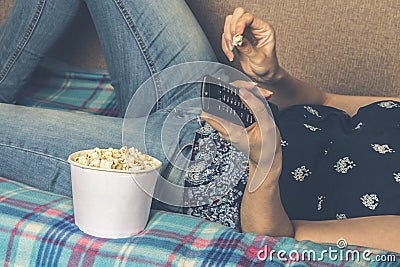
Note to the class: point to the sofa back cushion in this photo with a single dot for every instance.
(350, 47)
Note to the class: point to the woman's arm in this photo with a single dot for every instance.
(261, 211)
(289, 91)
(381, 232)
(257, 56)
(350, 104)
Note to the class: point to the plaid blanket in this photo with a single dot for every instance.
(70, 90)
(37, 229)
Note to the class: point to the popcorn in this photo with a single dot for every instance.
(118, 159)
(237, 40)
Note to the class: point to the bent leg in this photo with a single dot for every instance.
(35, 143)
(31, 29)
(140, 38)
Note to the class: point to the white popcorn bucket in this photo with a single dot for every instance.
(111, 203)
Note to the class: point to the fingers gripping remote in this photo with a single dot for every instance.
(222, 99)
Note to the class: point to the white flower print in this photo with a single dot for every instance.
(320, 200)
(206, 129)
(396, 177)
(370, 201)
(284, 142)
(312, 111)
(382, 149)
(195, 173)
(311, 128)
(300, 173)
(343, 165)
(358, 126)
(388, 104)
(341, 216)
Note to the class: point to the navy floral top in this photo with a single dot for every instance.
(334, 166)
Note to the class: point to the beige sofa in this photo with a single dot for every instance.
(342, 46)
(350, 47)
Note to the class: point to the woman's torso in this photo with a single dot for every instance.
(334, 166)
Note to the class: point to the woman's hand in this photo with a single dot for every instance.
(257, 53)
(258, 58)
(260, 141)
(259, 135)
(261, 209)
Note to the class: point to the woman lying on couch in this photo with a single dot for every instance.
(328, 165)
(323, 165)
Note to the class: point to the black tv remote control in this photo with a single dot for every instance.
(222, 99)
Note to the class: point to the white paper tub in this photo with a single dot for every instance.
(111, 203)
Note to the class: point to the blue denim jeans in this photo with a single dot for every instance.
(139, 38)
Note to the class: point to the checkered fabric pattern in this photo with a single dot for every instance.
(37, 229)
(72, 91)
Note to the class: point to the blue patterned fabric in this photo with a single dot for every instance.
(216, 160)
(348, 165)
(37, 229)
(71, 91)
(334, 166)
